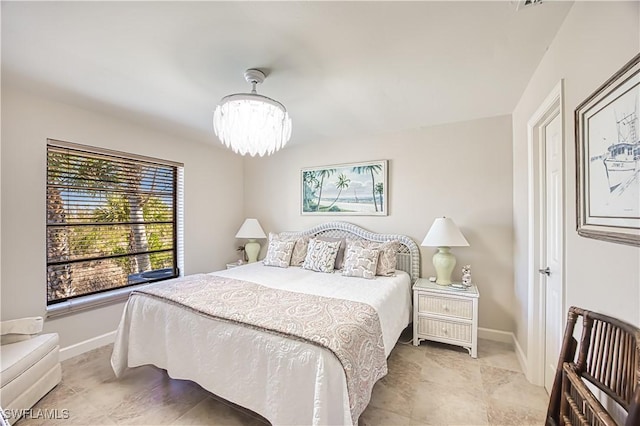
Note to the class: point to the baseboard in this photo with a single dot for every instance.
(505, 337)
(87, 345)
(495, 335)
(522, 359)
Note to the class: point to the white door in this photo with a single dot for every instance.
(553, 247)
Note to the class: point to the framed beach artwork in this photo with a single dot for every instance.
(345, 189)
(608, 159)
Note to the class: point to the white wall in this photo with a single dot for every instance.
(460, 170)
(213, 201)
(596, 39)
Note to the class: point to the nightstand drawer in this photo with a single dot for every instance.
(445, 329)
(458, 308)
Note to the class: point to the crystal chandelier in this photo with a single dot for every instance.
(250, 123)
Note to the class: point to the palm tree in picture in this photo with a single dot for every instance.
(342, 183)
(373, 169)
(380, 190)
(323, 174)
(309, 186)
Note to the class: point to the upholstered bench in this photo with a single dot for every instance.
(30, 365)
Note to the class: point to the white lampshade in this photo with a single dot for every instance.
(251, 229)
(444, 233)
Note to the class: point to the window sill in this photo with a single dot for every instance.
(91, 301)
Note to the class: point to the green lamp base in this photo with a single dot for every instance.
(444, 262)
(252, 249)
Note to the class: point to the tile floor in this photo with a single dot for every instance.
(432, 384)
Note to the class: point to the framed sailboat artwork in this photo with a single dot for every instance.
(608, 159)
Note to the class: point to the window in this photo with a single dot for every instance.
(111, 220)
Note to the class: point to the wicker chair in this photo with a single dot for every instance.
(608, 358)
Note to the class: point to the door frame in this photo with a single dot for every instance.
(548, 109)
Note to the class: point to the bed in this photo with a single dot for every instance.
(287, 380)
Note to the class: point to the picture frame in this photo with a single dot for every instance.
(607, 135)
(352, 189)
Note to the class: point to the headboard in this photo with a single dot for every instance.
(408, 253)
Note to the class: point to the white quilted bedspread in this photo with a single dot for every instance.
(289, 382)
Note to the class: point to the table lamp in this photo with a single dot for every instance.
(444, 234)
(251, 230)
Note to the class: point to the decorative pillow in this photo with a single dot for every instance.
(340, 256)
(279, 251)
(321, 255)
(387, 260)
(360, 261)
(299, 251)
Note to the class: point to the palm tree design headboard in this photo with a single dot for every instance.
(408, 254)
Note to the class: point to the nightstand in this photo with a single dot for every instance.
(444, 314)
(234, 264)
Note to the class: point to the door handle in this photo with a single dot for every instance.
(545, 271)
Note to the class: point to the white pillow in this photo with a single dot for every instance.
(279, 251)
(321, 255)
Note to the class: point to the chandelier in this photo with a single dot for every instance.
(250, 123)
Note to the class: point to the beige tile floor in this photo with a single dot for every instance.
(432, 384)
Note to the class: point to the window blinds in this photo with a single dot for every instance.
(111, 220)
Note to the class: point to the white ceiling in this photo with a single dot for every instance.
(340, 68)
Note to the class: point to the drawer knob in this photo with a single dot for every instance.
(445, 308)
(444, 330)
